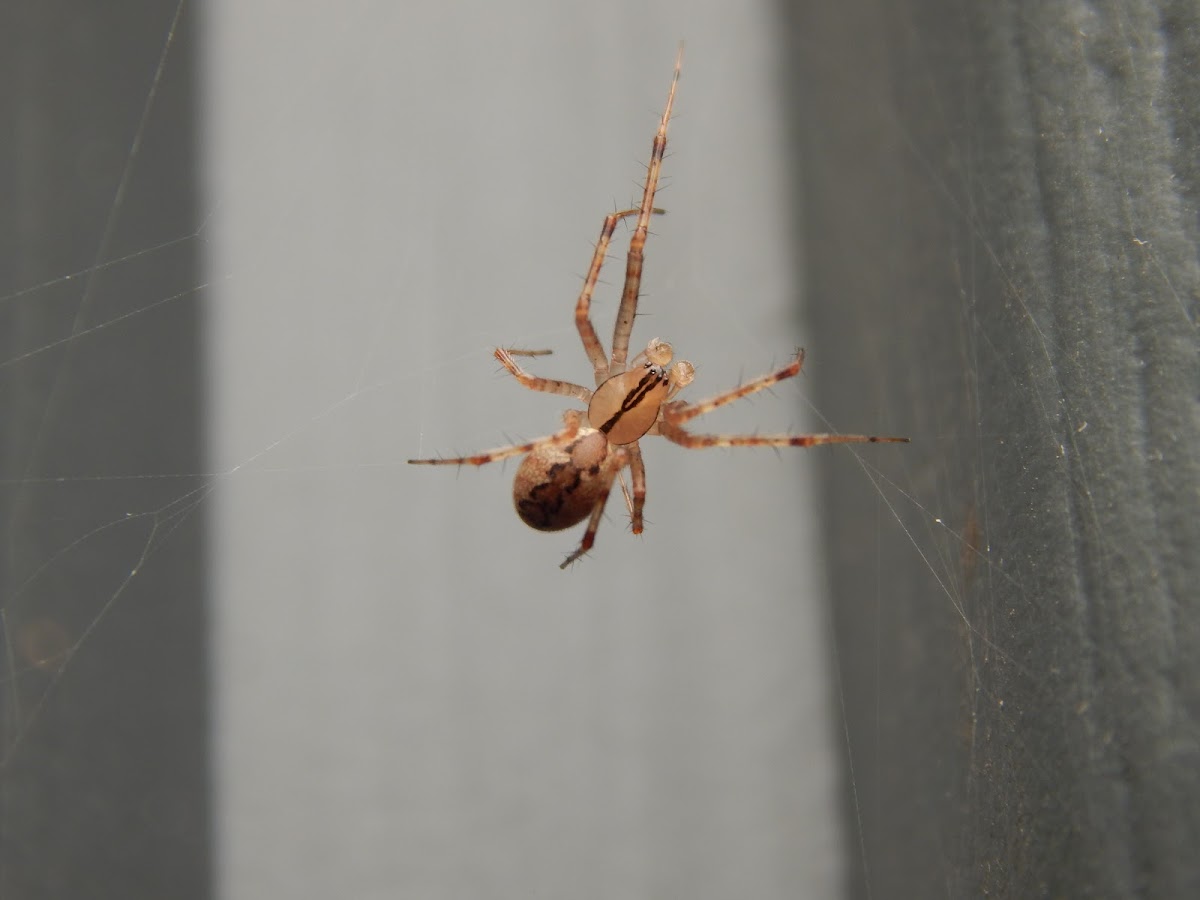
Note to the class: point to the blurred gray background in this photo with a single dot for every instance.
(413, 699)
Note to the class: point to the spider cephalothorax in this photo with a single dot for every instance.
(567, 476)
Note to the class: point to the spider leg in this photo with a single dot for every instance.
(547, 385)
(678, 413)
(572, 420)
(637, 470)
(589, 536)
(583, 306)
(625, 492)
(637, 243)
(677, 435)
(670, 422)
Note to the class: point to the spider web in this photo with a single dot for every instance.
(340, 282)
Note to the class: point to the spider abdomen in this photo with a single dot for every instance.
(558, 486)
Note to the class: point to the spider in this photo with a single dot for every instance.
(567, 476)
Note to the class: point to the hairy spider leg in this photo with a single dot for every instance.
(546, 385)
(583, 306)
(572, 420)
(675, 414)
(677, 435)
(682, 411)
(637, 469)
(589, 536)
(633, 265)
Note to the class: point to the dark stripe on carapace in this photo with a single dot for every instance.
(634, 398)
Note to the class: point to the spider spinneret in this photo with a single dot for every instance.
(567, 476)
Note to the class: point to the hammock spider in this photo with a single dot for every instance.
(567, 476)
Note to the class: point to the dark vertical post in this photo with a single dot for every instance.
(1000, 205)
(104, 784)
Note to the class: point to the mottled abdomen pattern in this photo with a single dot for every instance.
(558, 486)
